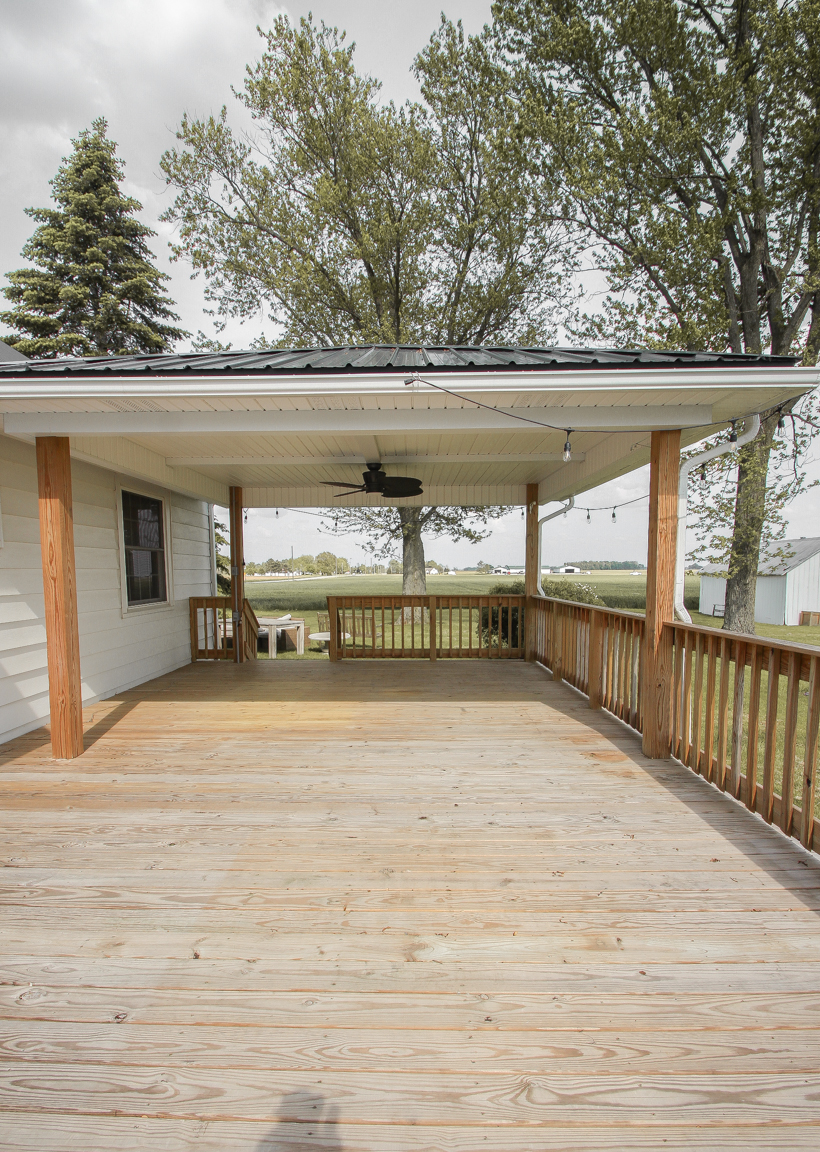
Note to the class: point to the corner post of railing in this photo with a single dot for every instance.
(193, 613)
(660, 594)
(333, 617)
(810, 759)
(528, 624)
(596, 658)
(557, 641)
(433, 630)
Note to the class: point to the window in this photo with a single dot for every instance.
(144, 549)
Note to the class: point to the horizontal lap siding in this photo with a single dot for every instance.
(116, 651)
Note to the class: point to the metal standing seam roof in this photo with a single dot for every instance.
(797, 552)
(378, 357)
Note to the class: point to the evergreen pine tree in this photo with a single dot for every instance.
(93, 289)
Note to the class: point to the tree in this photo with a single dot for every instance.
(346, 220)
(384, 527)
(684, 136)
(93, 289)
(223, 563)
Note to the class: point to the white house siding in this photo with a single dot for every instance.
(117, 649)
(803, 593)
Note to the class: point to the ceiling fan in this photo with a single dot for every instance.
(378, 483)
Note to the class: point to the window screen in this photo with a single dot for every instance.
(144, 549)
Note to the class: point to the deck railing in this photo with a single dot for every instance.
(212, 626)
(745, 716)
(597, 650)
(745, 710)
(426, 627)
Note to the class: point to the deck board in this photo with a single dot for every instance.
(392, 907)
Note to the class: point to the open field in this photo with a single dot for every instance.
(309, 596)
(617, 589)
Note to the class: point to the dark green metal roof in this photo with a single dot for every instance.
(384, 357)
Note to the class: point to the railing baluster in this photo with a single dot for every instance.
(810, 764)
(709, 733)
(789, 734)
(723, 712)
(737, 719)
(771, 734)
(752, 736)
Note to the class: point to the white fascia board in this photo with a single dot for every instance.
(322, 421)
(617, 380)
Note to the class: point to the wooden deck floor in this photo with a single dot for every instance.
(394, 907)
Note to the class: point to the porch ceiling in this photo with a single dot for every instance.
(280, 431)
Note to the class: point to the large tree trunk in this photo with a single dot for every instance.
(750, 507)
(414, 577)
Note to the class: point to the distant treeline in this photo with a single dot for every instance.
(606, 565)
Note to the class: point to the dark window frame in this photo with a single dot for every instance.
(145, 545)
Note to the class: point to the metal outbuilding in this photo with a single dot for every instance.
(788, 584)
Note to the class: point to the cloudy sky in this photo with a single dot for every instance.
(141, 64)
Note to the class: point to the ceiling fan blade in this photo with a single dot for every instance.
(340, 484)
(395, 487)
(338, 495)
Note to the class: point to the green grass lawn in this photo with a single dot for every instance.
(617, 589)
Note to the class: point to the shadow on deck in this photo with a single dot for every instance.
(388, 905)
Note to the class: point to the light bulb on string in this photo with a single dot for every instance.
(567, 447)
(614, 521)
(733, 433)
(781, 423)
(589, 518)
(246, 515)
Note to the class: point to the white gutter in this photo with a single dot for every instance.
(752, 429)
(551, 516)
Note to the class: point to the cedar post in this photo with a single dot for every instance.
(596, 658)
(60, 592)
(660, 593)
(532, 563)
(333, 624)
(237, 574)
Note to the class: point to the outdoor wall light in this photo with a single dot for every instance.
(567, 448)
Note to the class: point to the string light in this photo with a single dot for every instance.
(567, 447)
(733, 433)
(781, 423)
(589, 518)
(613, 516)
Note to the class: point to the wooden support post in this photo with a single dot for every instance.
(333, 627)
(532, 562)
(60, 590)
(660, 593)
(433, 629)
(237, 574)
(596, 658)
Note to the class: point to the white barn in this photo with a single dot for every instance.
(786, 587)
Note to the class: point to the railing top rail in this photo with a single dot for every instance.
(745, 638)
(591, 607)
